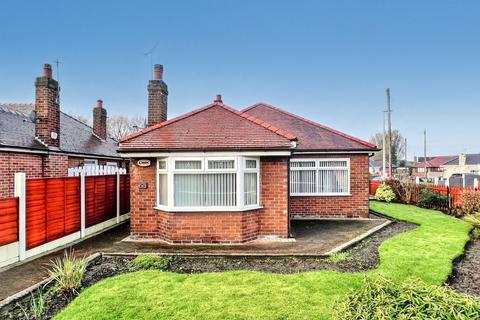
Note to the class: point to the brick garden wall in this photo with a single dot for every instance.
(354, 206)
(211, 227)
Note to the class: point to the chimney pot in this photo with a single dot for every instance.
(218, 99)
(47, 70)
(158, 72)
(99, 103)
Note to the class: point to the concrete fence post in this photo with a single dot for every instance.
(20, 192)
(82, 204)
(118, 196)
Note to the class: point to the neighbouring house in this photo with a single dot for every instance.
(462, 164)
(42, 141)
(430, 169)
(220, 175)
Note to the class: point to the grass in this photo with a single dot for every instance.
(425, 252)
(337, 257)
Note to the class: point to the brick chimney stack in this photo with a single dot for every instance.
(47, 108)
(100, 120)
(157, 97)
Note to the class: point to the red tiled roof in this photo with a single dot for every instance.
(435, 162)
(213, 127)
(311, 135)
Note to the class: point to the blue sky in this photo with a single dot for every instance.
(329, 61)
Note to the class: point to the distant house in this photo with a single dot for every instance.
(432, 168)
(42, 141)
(462, 164)
(220, 175)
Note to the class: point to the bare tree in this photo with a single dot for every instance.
(398, 145)
(120, 126)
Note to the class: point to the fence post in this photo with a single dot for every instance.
(82, 204)
(20, 192)
(118, 197)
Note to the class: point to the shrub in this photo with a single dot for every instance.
(150, 262)
(470, 202)
(337, 257)
(474, 220)
(384, 193)
(67, 273)
(397, 188)
(431, 199)
(380, 298)
(37, 307)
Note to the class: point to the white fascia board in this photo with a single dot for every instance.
(331, 152)
(205, 154)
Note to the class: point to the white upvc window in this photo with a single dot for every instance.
(207, 183)
(320, 177)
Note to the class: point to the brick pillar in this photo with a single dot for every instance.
(273, 217)
(100, 120)
(157, 97)
(47, 126)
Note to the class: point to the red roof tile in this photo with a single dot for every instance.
(435, 162)
(311, 135)
(213, 127)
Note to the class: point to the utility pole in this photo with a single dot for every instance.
(389, 113)
(384, 168)
(425, 152)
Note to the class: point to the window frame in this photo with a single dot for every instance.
(317, 169)
(239, 170)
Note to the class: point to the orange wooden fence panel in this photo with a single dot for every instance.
(8, 220)
(52, 209)
(100, 199)
(124, 194)
(374, 186)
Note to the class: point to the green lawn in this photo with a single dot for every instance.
(426, 252)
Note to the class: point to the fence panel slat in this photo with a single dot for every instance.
(8, 220)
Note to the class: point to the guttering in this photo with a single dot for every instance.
(369, 151)
(257, 153)
(73, 154)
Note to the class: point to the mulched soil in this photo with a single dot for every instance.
(466, 271)
(361, 257)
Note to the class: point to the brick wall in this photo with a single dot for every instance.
(354, 206)
(274, 197)
(55, 165)
(211, 227)
(12, 162)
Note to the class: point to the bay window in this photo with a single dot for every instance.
(320, 177)
(207, 183)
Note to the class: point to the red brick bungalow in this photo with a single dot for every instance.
(42, 141)
(219, 175)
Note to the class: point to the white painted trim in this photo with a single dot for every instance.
(331, 152)
(20, 192)
(82, 204)
(320, 194)
(53, 244)
(118, 197)
(105, 224)
(22, 150)
(203, 154)
(206, 209)
(78, 155)
(9, 254)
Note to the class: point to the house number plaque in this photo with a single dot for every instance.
(143, 163)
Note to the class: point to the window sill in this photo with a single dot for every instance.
(207, 209)
(320, 194)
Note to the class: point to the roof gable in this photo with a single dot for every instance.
(435, 162)
(311, 135)
(213, 127)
